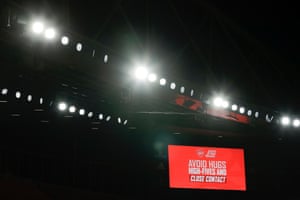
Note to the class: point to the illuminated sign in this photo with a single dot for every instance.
(200, 167)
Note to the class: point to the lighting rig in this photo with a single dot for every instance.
(217, 106)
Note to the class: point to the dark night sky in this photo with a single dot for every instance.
(247, 49)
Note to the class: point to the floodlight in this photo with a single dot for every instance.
(18, 95)
(29, 98)
(152, 77)
(249, 113)
(108, 118)
(242, 110)
(4, 91)
(285, 120)
(141, 73)
(105, 58)
(182, 89)
(81, 111)
(173, 86)
(37, 27)
(50, 33)
(72, 109)
(192, 92)
(225, 104)
(79, 46)
(62, 106)
(217, 101)
(64, 40)
(234, 107)
(119, 120)
(296, 122)
(162, 81)
(90, 114)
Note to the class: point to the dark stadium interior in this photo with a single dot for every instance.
(247, 50)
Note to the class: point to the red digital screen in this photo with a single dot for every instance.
(225, 114)
(200, 167)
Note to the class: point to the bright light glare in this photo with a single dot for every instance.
(296, 122)
(18, 95)
(81, 111)
(105, 59)
(37, 27)
(220, 102)
(152, 77)
(234, 107)
(50, 33)
(162, 81)
(90, 114)
(217, 101)
(4, 91)
(249, 113)
(101, 116)
(192, 92)
(62, 106)
(125, 122)
(29, 98)
(172, 86)
(242, 110)
(182, 89)
(285, 121)
(78, 46)
(119, 120)
(141, 73)
(108, 118)
(41, 100)
(72, 109)
(64, 40)
(225, 104)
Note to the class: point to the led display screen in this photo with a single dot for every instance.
(201, 167)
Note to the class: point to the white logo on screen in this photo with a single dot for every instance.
(200, 153)
(211, 153)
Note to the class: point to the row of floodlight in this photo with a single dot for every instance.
(18, 94)
(287, 121)
(63, 106)
(72, 109)
(141, 73)
(221, 103)
(41, 30)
